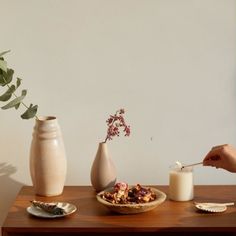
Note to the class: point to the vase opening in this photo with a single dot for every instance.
(47, 118)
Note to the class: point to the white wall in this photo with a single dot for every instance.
(170, 63)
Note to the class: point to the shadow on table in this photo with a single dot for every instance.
(9, 189)
(212, 223)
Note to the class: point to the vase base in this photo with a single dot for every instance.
(48, 195)
(42, 194)
(98, 187)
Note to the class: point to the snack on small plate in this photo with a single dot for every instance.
(51, 208)
(122, 194)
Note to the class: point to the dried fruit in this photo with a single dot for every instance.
(51, 208)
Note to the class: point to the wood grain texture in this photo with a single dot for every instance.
(92, 218)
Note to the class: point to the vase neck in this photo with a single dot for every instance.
(47, 127)
(102, 148)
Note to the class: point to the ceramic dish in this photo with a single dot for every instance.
(213, 207)
(132, 208)
(68, 208)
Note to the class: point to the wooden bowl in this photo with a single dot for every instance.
(132, 208)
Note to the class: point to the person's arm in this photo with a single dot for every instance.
(222, 156)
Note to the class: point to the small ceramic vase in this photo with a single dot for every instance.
(47, 158)
(103, 172)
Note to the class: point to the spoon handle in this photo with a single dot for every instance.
(226, 204)
(199, 163)
(216, 204)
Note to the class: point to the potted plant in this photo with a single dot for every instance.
(103, 171)
(47, 153)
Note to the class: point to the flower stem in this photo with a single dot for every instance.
(110, 125)
(106, 139)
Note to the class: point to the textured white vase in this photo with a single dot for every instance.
(103, 172)
(47, 157)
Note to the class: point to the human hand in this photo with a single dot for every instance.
(222, 156)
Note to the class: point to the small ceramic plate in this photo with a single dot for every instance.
(68, 207)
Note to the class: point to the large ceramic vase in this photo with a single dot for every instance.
(103, 172)
(47, 157)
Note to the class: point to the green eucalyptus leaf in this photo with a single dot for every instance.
(15, 101)
(3, 65)
(17, 106)
(3, 53)
(6, 77)
(7, 95)
(2, 80)
(30, 112)
(18, 82)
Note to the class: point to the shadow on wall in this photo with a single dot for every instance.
(9, 188)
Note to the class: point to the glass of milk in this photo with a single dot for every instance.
(181, 183)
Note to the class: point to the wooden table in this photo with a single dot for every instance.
(169, 218)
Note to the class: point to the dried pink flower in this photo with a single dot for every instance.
(114, 123)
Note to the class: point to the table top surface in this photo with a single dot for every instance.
(93, 217)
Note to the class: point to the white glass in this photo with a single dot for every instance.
(181, 184)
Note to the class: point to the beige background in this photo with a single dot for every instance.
(170, 63)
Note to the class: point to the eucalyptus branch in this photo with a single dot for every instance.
(14, 94)
(6, 76)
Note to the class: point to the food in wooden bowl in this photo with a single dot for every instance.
(131, 200)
